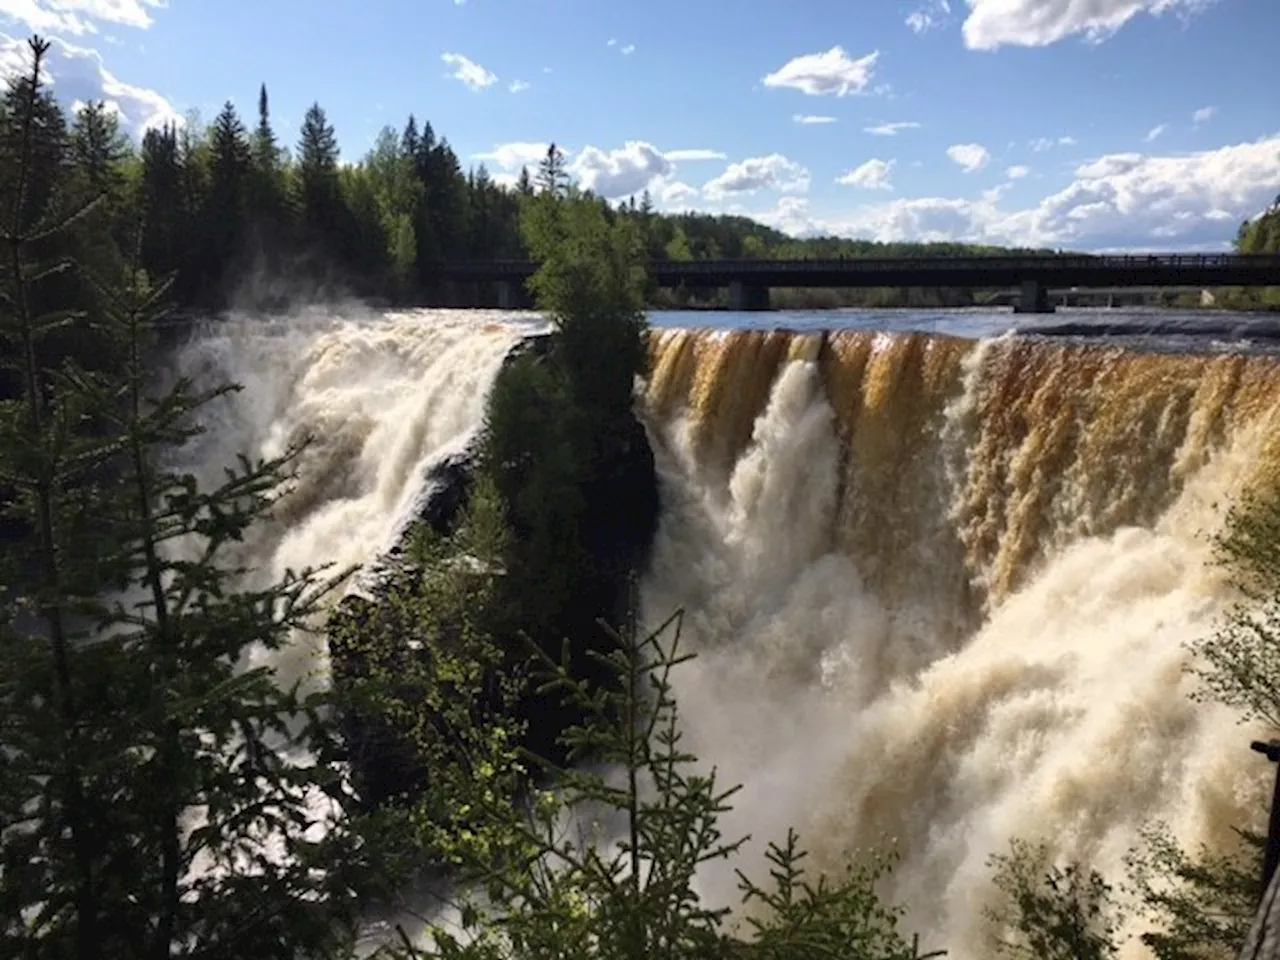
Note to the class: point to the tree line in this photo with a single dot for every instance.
(234, 215)
(161, 797)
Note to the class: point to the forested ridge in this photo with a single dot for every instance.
(239, 217)
(166, 795)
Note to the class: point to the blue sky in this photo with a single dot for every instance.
(1090, 124)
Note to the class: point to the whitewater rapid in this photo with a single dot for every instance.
(874, 664)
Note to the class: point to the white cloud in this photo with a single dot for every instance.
(513, 156)
(822, 74)
(77, 17)
(1017, 172)
(810, 119)
(1041, 144)
(613, 174)
(679, 156)
(1122, 201)
(1155, 131)
(620, 173)
(774, 172)
(676, 195)
(934, 13)
(971, 157)
(992, 24)
(467, 72)
(77, 74)
(611, 42)
(629, 49)
(518, 86)
(872, 175)
(1204, 114)
(891, 129)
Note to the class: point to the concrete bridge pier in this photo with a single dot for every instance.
(1033, 297)
(745, 296)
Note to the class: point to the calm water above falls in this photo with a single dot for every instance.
(1137, 328)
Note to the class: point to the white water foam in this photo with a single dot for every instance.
(1064, 718)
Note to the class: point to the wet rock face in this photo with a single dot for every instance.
(620, 521)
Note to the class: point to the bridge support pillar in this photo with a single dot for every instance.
(508, 295)
(745, 296)
(1033, 297)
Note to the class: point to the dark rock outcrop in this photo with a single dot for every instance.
(618, 525)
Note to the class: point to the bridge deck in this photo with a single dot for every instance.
(1056, 271)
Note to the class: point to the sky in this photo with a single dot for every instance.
(1081, 124)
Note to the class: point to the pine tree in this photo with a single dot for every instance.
(226, 213)
(319, 196)
(99, 148)
(144, 770)
(524, 184)
(162, 203)
(553, 177)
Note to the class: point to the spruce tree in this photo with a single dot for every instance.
(160, 798)
(552, 177)
(319, 191)
(226, 213)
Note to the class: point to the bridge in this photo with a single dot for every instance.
(1034, 275)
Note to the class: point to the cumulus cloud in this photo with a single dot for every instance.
(77, 75)
(810, 119)
(1017, 172)
(1203, 115)
(1155, 131)
(891, 129)
(79, 17)
(629, 49)
(521, 153)
(992, 24)
(1120, 201)
(774, 172)
(613, 174)
(679, 156)
(872, 175)
(467, 72)
(518, 86)
(971, 157)
(620, 173)
(676, 195)
(825, 74)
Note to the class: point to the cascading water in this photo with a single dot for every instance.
(938, 587)
(940, 591)
(382, 396)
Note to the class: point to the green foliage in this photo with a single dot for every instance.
(536, 469)
(158, 800)
(590, 284)
(1259, 235)
(545, 879)
(1052, 912)
(1239, 663)
(1203, 905)
(422, 660)
(225, 204)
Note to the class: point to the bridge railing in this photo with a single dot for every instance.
(1040, 263)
